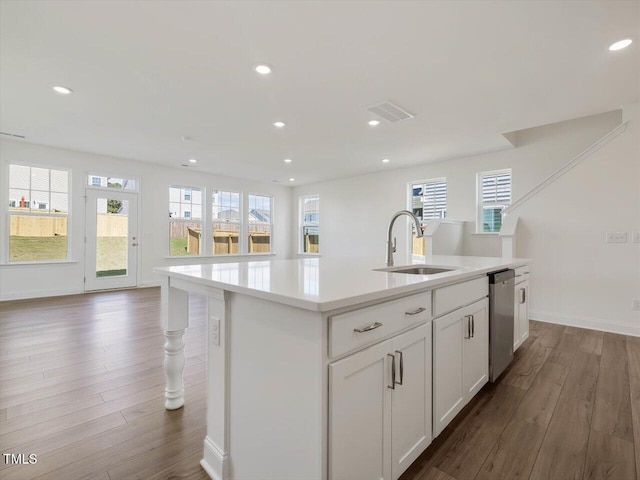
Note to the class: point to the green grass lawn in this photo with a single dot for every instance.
(111, 252)
(28, 249)
(178, 246)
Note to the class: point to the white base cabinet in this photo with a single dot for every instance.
(460, 360)
(380, 408)
(521, 307)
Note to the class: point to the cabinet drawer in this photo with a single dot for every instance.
(522, 274)
(376, 322)
(449, 298)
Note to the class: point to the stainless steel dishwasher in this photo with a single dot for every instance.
(501, 315)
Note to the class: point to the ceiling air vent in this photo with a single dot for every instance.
(12, 135)
(390, 112)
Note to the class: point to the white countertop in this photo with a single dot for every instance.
(322, 284)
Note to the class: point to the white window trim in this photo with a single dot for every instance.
(5, 229)
(245, 217)
(301, 225)
(479, 208)
(204, 242)
(241, 240)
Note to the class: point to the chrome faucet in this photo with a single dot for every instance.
(391, 247)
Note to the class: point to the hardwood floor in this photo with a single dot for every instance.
(81, 386)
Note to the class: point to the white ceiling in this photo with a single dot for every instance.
(146, 73)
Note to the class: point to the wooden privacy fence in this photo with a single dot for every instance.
(112, 225)
(108, 225)
(311, 243)
(28, 226)
(225, 242)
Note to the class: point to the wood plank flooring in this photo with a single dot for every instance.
(81, 385)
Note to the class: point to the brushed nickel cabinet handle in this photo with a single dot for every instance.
(368, 328)
(416, 311)
(523, 295)
(473, 326)
(393, 372)
(401, 366)
(468, 317)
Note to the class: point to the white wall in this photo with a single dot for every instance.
(578, 278)
(25, 281)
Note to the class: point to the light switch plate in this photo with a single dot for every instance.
(636, 237)
(636, 304)
(617, 237)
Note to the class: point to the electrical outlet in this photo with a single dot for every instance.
(636, 304)
(214, 331)
(617, 237)
(636, 237)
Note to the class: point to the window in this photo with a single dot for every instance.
(429, 199)
(112, 183)
(260, 214)
(225, 215)
(494, 195)
(185, 220)
(310, 224)
(38, 213)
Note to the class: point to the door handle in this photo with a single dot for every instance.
(473, 326)
(416, 311)
(522, 295)
(468, 317)
(134, 244)
(401, 366)
(393, 372)
(368, 328)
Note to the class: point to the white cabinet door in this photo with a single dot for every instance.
(475, 353)
(360, 415)
(448, 390)
(460, 360)
(522, 310)
(411, 412)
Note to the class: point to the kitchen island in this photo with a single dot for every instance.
(330, 369)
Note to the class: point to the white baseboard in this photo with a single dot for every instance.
(215, 461)
(4, 297)
(24, 295)
(587, 322)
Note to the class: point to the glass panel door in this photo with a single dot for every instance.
(111, 240)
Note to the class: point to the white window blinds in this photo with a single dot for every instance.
(496, 189)
(430, 199)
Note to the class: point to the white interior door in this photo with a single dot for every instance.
(111, 232)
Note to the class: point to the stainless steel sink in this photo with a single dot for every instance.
(422, 270)
(417, 270)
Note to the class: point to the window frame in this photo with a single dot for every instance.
(204, 244)
(91, 174)
(423, 221)
(479, 203)
(6, 230)
(248, 223)
(302, 224)
(210, 228)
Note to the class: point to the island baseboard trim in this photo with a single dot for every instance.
(587, 322)
(215, 462)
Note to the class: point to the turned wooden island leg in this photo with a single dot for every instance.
(173, 368)
(175, 319)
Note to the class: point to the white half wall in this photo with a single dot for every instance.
(47, 279)
(576, 275)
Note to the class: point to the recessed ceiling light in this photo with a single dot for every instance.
(292, 179)
(374, 123)
(279, 124)
(385, 160)
(193, 160)
(262, 69)
(287, 160)
(62, 90)
(621, 44)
